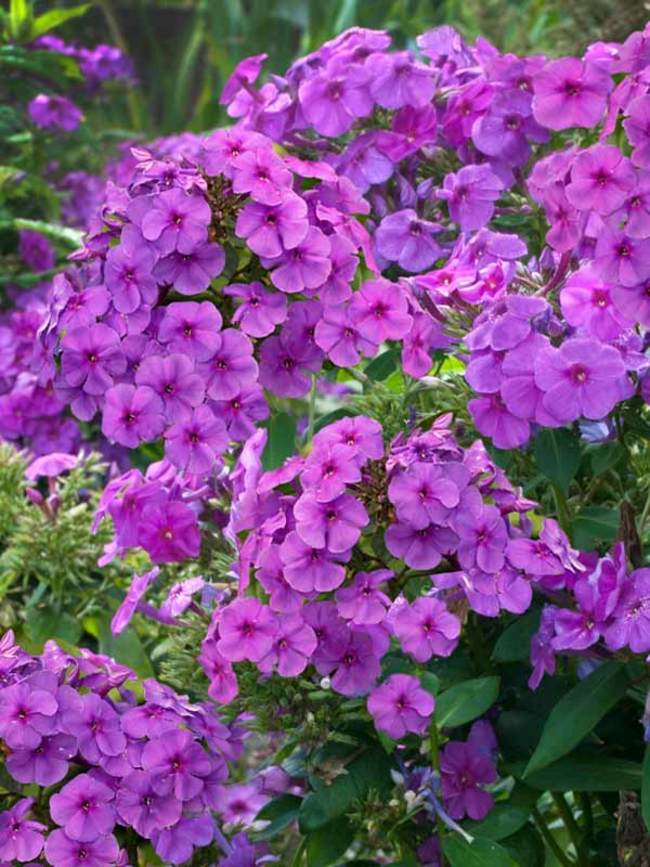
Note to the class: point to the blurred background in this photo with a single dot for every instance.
(183, 50)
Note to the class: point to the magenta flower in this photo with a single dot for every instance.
(21, 839)
(335, 97)
(336, 334)
(622, 259)
(353, 659)
(295, 641)
(61, 851)
(637, 129)
(494, 418)
(335, 525)
(242, 411)
(586, 302)
(380, 311)
(231, 368)
(191, 328)
(483, 538)
(285, 366)
(305, 266)
(464, 769)
(419, 548)
(132, 414)
(91, 358)
(247, 630)
(427, 493)
(176, 221)
(328, 469)
(169, 533)
(363, 602)
(359, 432)
(405, 238)
(45, 764)
(601, 179)
(177, 764)
(269, 230)
(223, 682)
(175, 845)
(83, 808)
(570, 92)
(96, 725)
(195, 443)
(397, 80)
(54, 112)
(400, 705)
(241, 803)
(174, 381)
(137, 589)
(471, 193)
(141, 807)
(191, 271)
(26, 714)
(579, 379)
(308, 569)
(503, 132)
(180, 596)
(630, 622)
(128, 272)
(262, 175)
(426, 628)
(259, 310)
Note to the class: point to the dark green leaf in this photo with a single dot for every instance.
(645, 788)
(557, 453)
(585, 774)
(430, 682)
(594, 525)
(507, 817)
(526, 847)
(380, 368)
(326, 845)
(604, 457)
(576, 714)
(333, 416)
(479, 853)
(45, 623)
(55, 17)
(513, 645)
(281, 443)
(465, 702)
(125, 648)
(280, 812)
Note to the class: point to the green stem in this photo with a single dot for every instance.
(562, 508)
(550, 840)
(300, 851)
(434, 748)
(312, 410)
(587, 813)
(571, 825)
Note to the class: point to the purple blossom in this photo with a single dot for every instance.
(426, 628)
(61, 851)
(191, 328)
(363, 602)
(570, 92)
(380, 311)
(601, 179)
(471, 194)
(405, 238)
(137, 589)
(21, 839)
(335, 525)
(231, 368)
(259, 310)
(295, 641)
(307, 569)
(26, 714)
(174, 381)
(54, 112)
(91, 358)
(175, 220)
(132, 414)
(195, 443)
(191, 271)
(176, 764)
(305, 266)
(45, 764)
(464, 769)
(327, 471)
(400, 705)
(335, 97)
(269, 230)
(247, 630)
(169, 533)
(83, 808)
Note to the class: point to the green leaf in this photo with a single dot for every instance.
(506, 817)
(478, 853)
(54, 18)
(594, 525)
(44, 623)
(460, 704)
(281, 443)
(430, 682)
(70, 237)
(380, 368)
(586, 774)
(20, 16)
(125, 648)
(330, 417)
(526, 847)
(557, 453)
(326, 845)
(280, 812)
(645, 788)
(513, 645)
(604, 457)
(577, 712)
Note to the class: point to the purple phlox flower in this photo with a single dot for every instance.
(295, 641)
(397, 80)
(62, 851)
(231, 368)
(335, 525)
(400, 705)
(35, 250)
(269, 230)
(175, 220)
(245, 73)
(177, 763)
(411, 129)
(337, 334)
(328, 470)
(54, 112)
(601, 179)
(424, 336)
(128, 272)
(261, 174)
(240, 852)
(223, 682)
(358, 432)
(44, 764)
(505, 130)
(471, 193)
(137, 589)
(191, 271)
(96, 725)
(635, 211)
(306, 266)
(83, 808)
(191, 328)
(464, 770)
(26, 714)
(308, 569)
(91, 358)
(353, 659)
(285, 366)
(534, 557)
(494, 419)
(195, 443)
(132, 414)
(21, 839)
(483, 536)
(587, 303)
(630, 621)
(363, 602)
(420, 548)
(622, 259)
(405, 238)
(570, 92)
(426, 628)
(380, 311)
(180, 596)
(427, 493)
(259, 310)
(141, 807)
(241, 802)
(175, 844)
(365, 163)
(579, 379)
(638, 130)
(169, 533)
(344, 263)
(335, 97)
(247, 630)
(242, 411)
(282, 596)
(51, 466)
(173, 379)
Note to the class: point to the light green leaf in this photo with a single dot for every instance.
(281, 443)
(54, 18)
(71, 237)
(577, 712)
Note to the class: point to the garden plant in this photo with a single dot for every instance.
(325, 479)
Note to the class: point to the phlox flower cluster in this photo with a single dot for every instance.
(109, 763)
